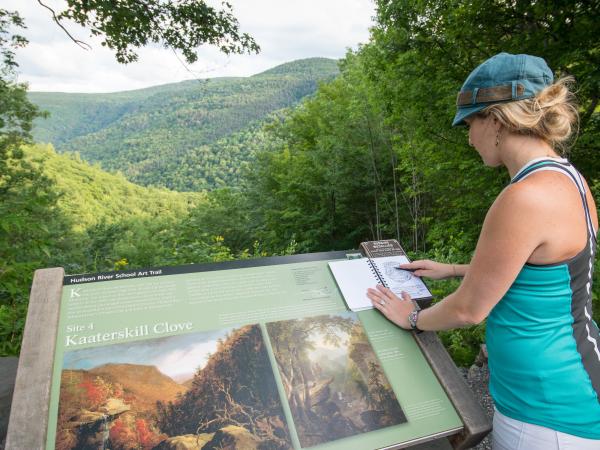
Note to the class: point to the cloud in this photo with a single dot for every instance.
(286, 30)
(173, 355)
(186, 360)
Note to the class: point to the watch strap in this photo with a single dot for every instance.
(413, 317)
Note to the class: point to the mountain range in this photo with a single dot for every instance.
(192, 135)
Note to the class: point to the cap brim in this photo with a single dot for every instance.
(464, 112)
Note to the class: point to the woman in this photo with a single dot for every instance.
(530, 275)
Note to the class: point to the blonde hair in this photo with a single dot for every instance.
(551, 115)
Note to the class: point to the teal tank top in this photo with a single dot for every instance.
(543, 345)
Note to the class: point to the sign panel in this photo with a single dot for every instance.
(247, 357)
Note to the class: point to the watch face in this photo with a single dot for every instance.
(412, 319)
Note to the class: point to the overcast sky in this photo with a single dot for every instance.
(286, 30)
(172, 355)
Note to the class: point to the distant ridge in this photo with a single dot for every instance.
(173, 135)
(315, 64)
(146, 383)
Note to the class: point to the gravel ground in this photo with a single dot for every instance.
(477, 378)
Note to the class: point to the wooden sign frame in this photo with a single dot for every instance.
(28, 423)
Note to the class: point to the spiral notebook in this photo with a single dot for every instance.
(355, 276)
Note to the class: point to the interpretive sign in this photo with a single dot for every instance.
(246, 354)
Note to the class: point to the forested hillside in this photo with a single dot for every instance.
(57, 210)
(178, 135)
(97, 197)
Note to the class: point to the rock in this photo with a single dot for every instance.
(233, 437)
(86, 417)
(321, 391)
(91, 428)
(482, 357)
(110, 409)
(477, 378)
(93, 434)
(327, 409)
(372, 419)
(341, 426)
(114, 407)
(185, 442)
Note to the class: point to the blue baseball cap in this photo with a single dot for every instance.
(502, 78)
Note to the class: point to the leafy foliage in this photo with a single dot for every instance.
(178, 25)
(28, 220)
(10, 42)
(30, 209)
(368, 157)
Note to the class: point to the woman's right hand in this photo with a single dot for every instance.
(430, 269)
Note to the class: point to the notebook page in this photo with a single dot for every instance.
(354, 277)
(400, 280)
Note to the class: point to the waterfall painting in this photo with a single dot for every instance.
(334, 383)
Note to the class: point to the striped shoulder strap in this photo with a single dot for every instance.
(565, 167)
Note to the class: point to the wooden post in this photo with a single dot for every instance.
(28, 423)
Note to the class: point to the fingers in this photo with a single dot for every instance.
(418, 268)
(394, 308)
(380, 307)
(383, 296)
(377, 296)
(378, 301)
(418, 264)
(388, 293)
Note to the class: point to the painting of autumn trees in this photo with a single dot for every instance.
(230, 400)
(236, 391)
(97, 412)
(334, 383)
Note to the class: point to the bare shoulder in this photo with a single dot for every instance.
(527, 197)
(515, 218)
(549, 203)
(558, 191)
(547, 190)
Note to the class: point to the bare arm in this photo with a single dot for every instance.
(435, 270)
(509, 236)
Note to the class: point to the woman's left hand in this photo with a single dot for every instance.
(391, 306)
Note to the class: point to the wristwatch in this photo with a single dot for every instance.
(413, 317)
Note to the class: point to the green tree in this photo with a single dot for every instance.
(178, 25)
(16, 112)
(32, 226)
(373, 154)
(26, 203)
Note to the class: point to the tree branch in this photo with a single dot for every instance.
(83, 45)
(588, 113)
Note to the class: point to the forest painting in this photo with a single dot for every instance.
(206, 391)
(334, 383)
